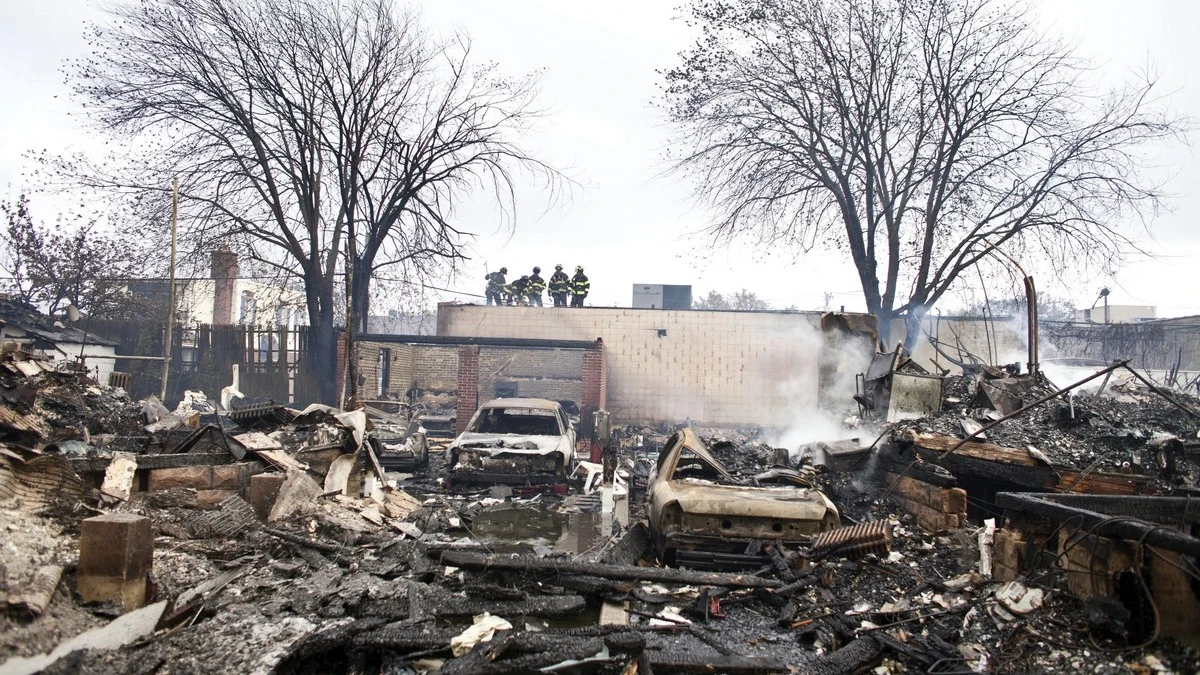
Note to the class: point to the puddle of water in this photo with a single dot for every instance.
(518, 528)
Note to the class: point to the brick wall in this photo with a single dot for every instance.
(435, 367)
(468, 384)
(595, 384)
(667, 365)
(556, 374)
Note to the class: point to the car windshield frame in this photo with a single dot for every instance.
(506, 421)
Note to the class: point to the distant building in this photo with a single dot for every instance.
(225, 299)
(45, 336)
(1117, 314)
(660, 296)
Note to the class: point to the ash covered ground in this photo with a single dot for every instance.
(347, 583)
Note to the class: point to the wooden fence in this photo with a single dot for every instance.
(273, 363)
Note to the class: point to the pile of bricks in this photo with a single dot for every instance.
(935, 508)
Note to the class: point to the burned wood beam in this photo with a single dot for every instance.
(687, 662)
(1102, 524)
(995, 462)
(1159, 509)
(169, 461)
(782, 568)
(553, 606)
(592, 584)
(303, 541)
(473, 561)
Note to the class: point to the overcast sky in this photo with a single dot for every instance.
(626, 223)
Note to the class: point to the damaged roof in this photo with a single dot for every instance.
(26, 317)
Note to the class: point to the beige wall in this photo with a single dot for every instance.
(710, 367)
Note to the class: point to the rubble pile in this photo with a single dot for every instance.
(40, 404)
(269, 540)
(1124, 429)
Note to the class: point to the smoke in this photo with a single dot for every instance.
(841, 358)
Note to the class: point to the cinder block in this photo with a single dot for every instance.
(264, 488)
(116, 552)
(195, 477)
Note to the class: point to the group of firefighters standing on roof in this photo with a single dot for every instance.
(526, 291)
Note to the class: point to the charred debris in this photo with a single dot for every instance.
(1000, 526)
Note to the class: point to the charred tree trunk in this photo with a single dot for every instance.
(360, 294)
(322, 345)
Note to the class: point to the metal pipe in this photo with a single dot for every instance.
(170, 290)
(123, 357)
(1031, 310)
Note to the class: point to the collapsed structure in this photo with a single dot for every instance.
(1006, 526)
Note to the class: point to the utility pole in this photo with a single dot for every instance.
(170, 290)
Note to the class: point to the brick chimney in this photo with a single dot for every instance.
(224, 274)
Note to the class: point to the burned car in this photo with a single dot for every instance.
(526, 443)
(400, 448)
(701, 515)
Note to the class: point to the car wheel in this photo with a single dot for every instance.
(666, 555)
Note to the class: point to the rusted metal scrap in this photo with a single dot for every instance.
(854, 541)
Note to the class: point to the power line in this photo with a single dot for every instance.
(271, 277)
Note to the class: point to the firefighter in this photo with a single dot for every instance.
(533, 292)
(560, 283)
(579, 287)
(517, 291)
(495, 286)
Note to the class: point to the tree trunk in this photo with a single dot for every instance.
(913, 327)
(322, 344)
(361, 294)
(883, 319)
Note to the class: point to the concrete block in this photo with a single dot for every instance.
(264, 488)
(234, 476)
(195, 477)
(115, 556)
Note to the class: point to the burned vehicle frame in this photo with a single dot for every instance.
(400, 448)
(702, 516)
(525, 443)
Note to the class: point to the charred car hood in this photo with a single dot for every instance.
(707, 498)
(495, 444)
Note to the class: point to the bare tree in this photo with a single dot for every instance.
(743, 300)
(914, 136)
(306, 132)
(1049, 308)
(73, 261)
